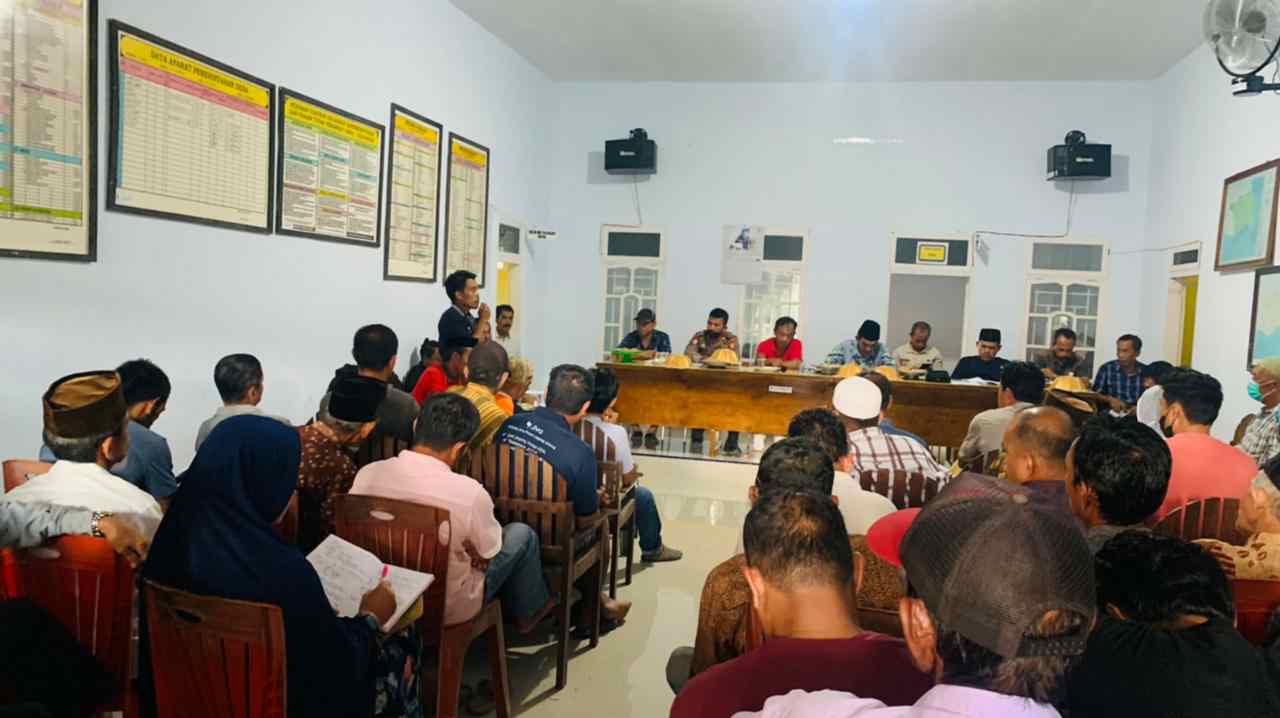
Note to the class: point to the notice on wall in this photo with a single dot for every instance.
(413, 180)
(467, 214)
(741, 254)
(191, 138)
(48, 164)
(329, 182)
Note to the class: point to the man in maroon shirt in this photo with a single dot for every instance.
(803, 581)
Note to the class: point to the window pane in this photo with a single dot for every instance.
(649, 303)
(634, 244)
(612, 337)
(630, 305)
(619, 281)
(613, 310)
(1082, 299)
(1038, 331)
(1046, 298)
(508, 239)
(647, 282)
(1087, 332)
(1066, 257)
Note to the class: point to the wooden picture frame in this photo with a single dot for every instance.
(1265, 179)
(1265, 282)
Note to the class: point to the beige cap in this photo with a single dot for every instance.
(857, 398)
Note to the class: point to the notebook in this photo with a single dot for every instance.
(347, 572)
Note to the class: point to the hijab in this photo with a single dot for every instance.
(217, 539)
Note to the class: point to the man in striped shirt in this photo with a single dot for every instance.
(858, 402)
(487, 369)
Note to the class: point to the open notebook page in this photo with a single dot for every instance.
(347, 572)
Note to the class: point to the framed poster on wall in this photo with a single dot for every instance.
(1247, 219)
(49, 129)
(1264, 325)
(413, 191)
(190, 138)
(466, 226)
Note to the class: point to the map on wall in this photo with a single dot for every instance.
(1246, 225)
(1264, 337)
(48, 133)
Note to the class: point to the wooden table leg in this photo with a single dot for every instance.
(714, 437)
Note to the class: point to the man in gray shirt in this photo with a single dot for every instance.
(239, 380)
(375, 349)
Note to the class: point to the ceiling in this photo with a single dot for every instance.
(850, 40)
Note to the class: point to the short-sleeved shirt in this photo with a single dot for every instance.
(1262, 439)
(847, 352)
(422, 479)
(658, 342)
(768, 349)
(1112, 381)
(974, 368)
(546, 434)
(908, 358)
(1204, 467)
(617, 436)
(872, 449)
(869, 664)
(325, 472)
(433, 381)
(492, 417)
(455, 323)
(148, 465)
(703, 344)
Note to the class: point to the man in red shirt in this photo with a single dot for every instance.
(451, 371)
(803, 579)
(783, 350)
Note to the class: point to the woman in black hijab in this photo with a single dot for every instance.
(217, 539)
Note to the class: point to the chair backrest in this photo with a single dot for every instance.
(1213, 518)
(287, 526)
(87, 587)
(904, 489)
(527, 489)
(405, 534)
(1255, 601)
(17, 471)
(597, 439)
(1241, 428)
(215, 657)
(378, 447)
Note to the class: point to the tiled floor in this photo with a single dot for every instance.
(703, 504)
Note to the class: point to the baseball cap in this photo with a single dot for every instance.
(857, 398)
(645, 315)
(989, 563)
(884, 538)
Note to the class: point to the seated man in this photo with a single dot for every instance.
(486, 371)
(519, 377)
(1119, 473)
(803, 578)
(1120, 380)
(985, 365)
(327, 469)
(646, 336)
(886, 405)
(23, 525)
(451, 371)
(486, 560)
(648, 521)
(1165, 643)
(429, 356)
(1036, 444)
(865, 350)
(238, 378)
(1203, 466)
(1009, 647)
(1259, 517)
(916, 353)
(859, 507)
(1021, 386)
(700, 348)
(1061, 359)
(547, 432)
(1261, 438)
(375, 348)
(783, 350)
(1150, 402)
(858, 402)
(85, 420)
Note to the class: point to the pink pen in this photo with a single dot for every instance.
(385, 569)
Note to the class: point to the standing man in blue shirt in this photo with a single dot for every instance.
(1120, 380)
(456, 321)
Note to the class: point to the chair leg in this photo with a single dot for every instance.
(562, 640)
(615, 548)
(631, 546)
(597, 575)
(498, 669)
(452, 656)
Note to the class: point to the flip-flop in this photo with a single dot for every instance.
(607, 625)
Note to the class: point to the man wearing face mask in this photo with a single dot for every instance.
(1203, 467)
(1262, 439)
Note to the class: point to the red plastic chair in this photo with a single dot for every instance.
(17, 471)
(88, 588)
(1213, 518)
(215, 657)
(1255, 602)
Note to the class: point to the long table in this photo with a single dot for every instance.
(763, 403)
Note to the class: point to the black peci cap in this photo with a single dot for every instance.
(989, 335)
(870, 330)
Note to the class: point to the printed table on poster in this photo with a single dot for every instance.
(467, 214)
(414, 182)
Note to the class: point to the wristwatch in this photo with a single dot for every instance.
(94, 529)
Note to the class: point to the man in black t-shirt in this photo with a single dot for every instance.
(464, 295)
(1165, 643)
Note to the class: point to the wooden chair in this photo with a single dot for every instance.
(1256, 601)
(378, 447)
(17, 471)
(1204, 518)
(622, 509)
(905, 490)
(287, 526)
(215, 657)
(88, 588)
(527, 489)
(1242, 427)
(417, 537)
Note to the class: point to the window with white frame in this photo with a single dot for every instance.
(779, 293)
(632, 275)
(1064, 289)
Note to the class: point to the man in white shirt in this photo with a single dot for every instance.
(1000, 601)
(859, 507)
(858, 402)
(85, 421)
(504, 319)
(240, 384)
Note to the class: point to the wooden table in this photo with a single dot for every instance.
(763, 403)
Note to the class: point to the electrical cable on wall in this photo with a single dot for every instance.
(1071, 204)
(635, 185)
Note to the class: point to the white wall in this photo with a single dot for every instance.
(971, 157)
(184, 295)
(1202, 135)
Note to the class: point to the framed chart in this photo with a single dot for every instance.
(413, 191)
(329, 176)
(48, 129)
(191, 138)
(1264, 325)
(1247, 219)
(466, 223)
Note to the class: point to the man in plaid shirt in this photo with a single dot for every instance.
(858, 402)
(1261, 439)
(1120, 380)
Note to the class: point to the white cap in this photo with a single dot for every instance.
(857, 398)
